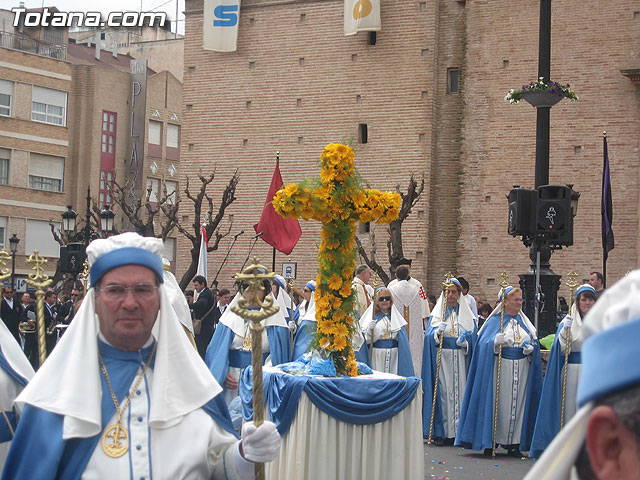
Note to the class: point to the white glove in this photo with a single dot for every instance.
(567, 321)
(292, 326)
(527, 348)
(441, 327)
(260, 444)
(462, 343)
(502, 340)
(372, 325)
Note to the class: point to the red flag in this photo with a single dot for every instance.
(281, 233)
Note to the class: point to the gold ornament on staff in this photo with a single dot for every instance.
(39, 281)
(572, 284)
(504, 284)
(85, 275)
(255, 310)
(447, 284)
(4, 258)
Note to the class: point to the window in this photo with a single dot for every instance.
(169, 249)
(108, 132)
(173, 142)
(3, 231)
(155, 132)
(363, 133)
(173, 136)
(6, 92)
(171, 191)
(106, 184)
(452, 80)
(46, 172)
(39, 238)
(154, 185)
(155, 139)
(54, 35)
(5, 157)
(49, 106)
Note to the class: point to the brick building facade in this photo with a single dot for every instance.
(430, 91)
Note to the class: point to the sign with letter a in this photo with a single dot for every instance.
(361, 16)
(220, 25)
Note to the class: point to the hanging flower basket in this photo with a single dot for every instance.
(541, 93)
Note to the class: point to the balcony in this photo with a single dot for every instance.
(28, 44)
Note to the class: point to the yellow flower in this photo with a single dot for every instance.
(290, 189)
(334, 282)
(345, 291)
(339, 342)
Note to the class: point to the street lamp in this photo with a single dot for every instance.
(13, 246)
(69, 220)
(106, 220)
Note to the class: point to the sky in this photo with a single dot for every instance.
(106, 6)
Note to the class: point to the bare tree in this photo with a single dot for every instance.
(210, 221)
(394, 244)
(143, 213)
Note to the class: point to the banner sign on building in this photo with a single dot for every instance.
(137, 112)
(361, 16)
(220, 25)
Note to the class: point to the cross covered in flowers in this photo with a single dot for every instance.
(338, 201)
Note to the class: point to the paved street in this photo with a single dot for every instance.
(454, 463)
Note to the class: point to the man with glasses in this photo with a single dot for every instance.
(10, 312)
(126, 394)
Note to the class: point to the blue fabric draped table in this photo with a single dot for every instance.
(343, 428)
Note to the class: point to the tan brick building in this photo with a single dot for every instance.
(430, 91)
(65, 127)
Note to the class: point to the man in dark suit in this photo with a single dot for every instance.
(10, 311)
(203, 309)
(50, 315)
(224, 298)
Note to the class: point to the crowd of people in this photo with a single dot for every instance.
(480, 365)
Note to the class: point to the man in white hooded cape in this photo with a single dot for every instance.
(124, 394)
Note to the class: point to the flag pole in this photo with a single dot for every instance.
(605, 254)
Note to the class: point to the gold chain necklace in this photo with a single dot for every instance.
(452, 312)
(516, 330)
(115, 439)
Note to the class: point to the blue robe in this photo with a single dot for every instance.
(405, 363)
(5, 433)
(429, 364)
(475, 429)
(548, 420)
(38, 450)
(217, 357)
(303, 338)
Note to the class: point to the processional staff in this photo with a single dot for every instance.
(254, 310)
(290, 281)
(39, 281)
(572, 284)
(447, 284)
(504, 284)
(376, 283)
(85, 276)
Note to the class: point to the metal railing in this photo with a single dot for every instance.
(28, 44)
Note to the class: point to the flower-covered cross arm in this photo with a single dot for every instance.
(300, 201)
(381, 207)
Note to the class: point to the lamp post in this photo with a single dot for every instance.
(13, 245)
(73, 254)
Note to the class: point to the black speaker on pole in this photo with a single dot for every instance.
(522, 211)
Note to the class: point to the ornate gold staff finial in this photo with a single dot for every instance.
(85, 275)
(256, 310)
(572, 284)
(39, 281)
(504, 284)
(4, 258)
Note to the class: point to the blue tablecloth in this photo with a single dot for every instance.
(359, 401)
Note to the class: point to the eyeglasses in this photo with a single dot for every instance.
(384, 299)
(74, 294)
(140, 291)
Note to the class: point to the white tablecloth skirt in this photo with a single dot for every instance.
(320, 447)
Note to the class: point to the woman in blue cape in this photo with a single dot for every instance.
(305, 318)
(383, 326)
(229, 352)
(520, 382)
(458, 332)
(549, 413)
